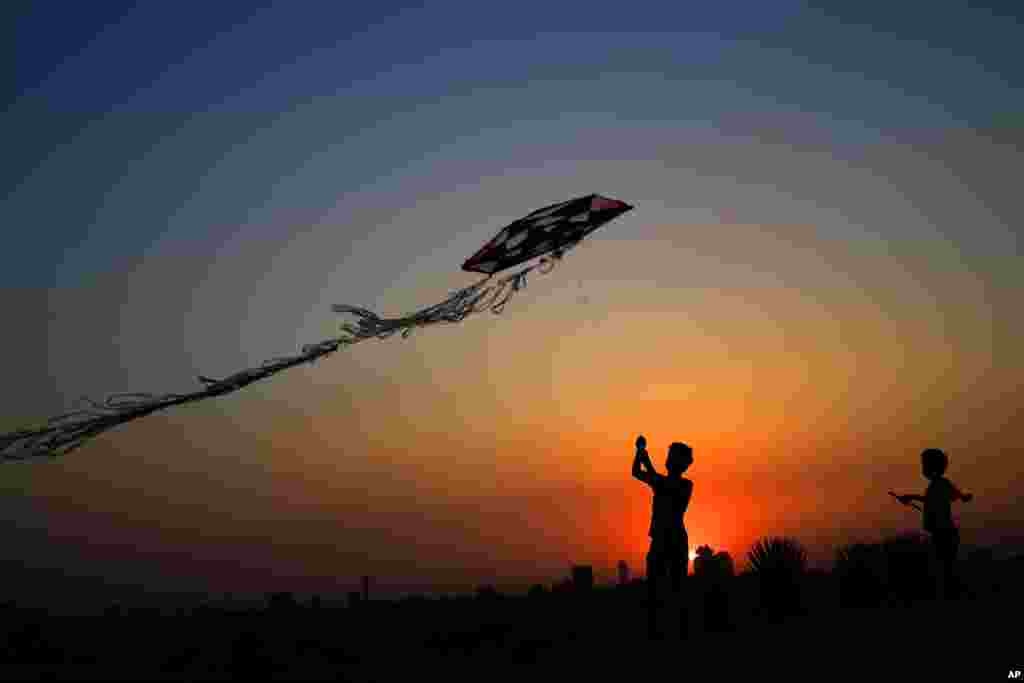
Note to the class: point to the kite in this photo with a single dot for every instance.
(549, 233)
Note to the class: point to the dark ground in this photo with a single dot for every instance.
(597, 635)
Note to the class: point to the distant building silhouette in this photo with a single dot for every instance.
(281, 600)
(623, 569)
(366, 587)
(354, 598)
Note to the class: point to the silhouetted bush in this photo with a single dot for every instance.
(779, 564)
(910, 567)
(862, 574)
(712, 564)
(536, 591)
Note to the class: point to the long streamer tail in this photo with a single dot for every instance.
(64, 433)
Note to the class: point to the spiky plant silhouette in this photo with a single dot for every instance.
(779, 563)
(778, 554)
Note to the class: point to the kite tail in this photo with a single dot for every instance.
(65, 433)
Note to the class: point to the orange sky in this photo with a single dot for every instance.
(499, 450)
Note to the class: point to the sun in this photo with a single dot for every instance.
(693, 555)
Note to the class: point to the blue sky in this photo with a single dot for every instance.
(226, 106)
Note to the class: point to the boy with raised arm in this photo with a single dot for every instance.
(670, 547)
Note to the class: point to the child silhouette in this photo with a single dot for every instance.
(670, 548)
(937, 515)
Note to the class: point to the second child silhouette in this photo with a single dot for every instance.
(938, 514)
(670, 547)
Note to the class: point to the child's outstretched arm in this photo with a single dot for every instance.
(907, 498)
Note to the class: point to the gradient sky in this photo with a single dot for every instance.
(821, 278)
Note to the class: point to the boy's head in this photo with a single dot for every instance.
(933, 463)
(680, 457)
